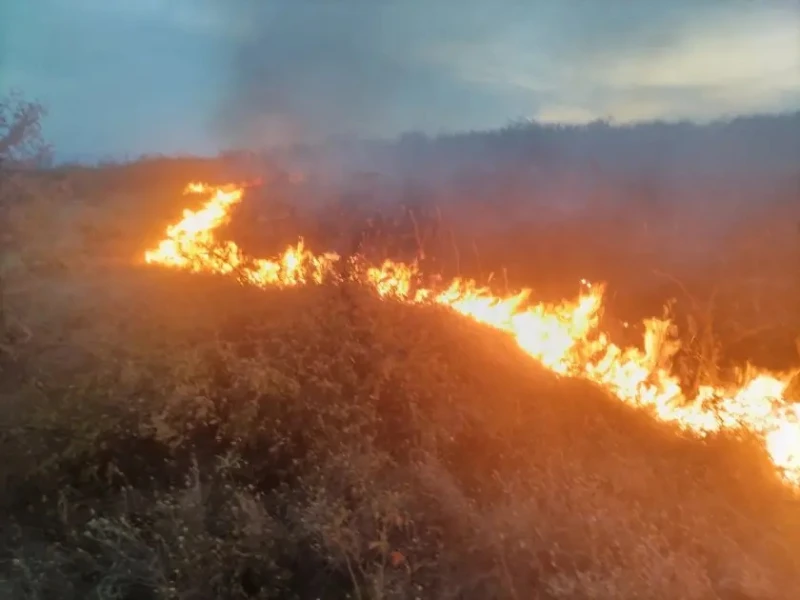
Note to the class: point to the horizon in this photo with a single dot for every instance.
(397, 140)
(202, 77)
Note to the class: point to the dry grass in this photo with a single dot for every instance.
(184, 437)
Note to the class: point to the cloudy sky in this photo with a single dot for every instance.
(123, 77)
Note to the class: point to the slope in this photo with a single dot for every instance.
(182, 436)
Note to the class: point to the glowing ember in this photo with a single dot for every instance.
(563, 337)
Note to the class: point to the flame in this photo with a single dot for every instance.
(563, 337)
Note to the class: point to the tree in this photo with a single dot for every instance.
(21, 141)
(21, 145)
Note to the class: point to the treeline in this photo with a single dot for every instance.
(768, 144)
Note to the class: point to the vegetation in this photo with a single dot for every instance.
(182, 437)
(21, 141)
(323, 444)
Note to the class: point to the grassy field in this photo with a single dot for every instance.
(176, 436)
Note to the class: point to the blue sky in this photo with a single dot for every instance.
(128, 77)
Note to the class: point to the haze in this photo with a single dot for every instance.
(123, 78)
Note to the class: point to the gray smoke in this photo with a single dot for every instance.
(309, 70)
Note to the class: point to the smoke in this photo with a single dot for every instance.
(301, 72)
(310, 70)
(306, 71)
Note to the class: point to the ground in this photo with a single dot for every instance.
(180, 436)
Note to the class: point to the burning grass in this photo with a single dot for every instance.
(178, 435)
(565, 337)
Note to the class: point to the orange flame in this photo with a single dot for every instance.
(563, 337)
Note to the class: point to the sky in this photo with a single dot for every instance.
(122, 77)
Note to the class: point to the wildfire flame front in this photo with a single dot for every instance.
(563, 337)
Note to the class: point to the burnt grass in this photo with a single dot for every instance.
(176, 436)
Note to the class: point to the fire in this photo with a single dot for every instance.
(191, 245)
(563, 337)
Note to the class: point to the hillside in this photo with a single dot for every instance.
(178, 435)
(324, 443)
